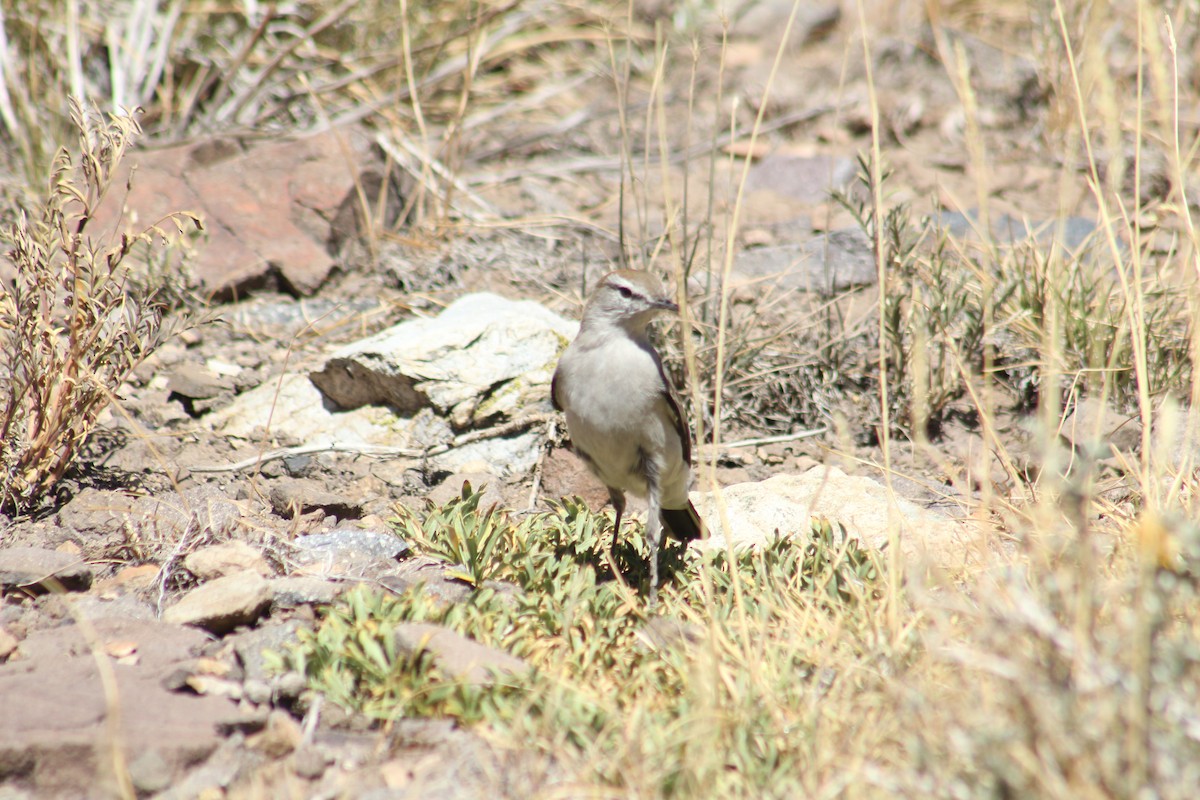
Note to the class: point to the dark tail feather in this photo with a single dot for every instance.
(683, 523)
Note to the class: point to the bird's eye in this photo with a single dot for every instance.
(625, 291)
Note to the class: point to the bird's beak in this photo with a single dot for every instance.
(663, 304)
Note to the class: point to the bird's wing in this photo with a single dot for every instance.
(677, 418)
(554, 392)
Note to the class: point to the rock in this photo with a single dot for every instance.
(221, 605)
(456, 654)
(245, 721)
(281, 736)
(434, 579)
(807, 179)
(137, 577)
(206, 676)
(110, 606)
(8, 643)
(451, 489)
(290, 686)
(55, 708)
(150, 772)
(251, 646)
(564, 474)
(1073, 233)
(257, 691)
(294, 398)
(484, 357)
(270, 211)
(200, 509)
(764, 21)
(1091, 425)
(347, 551)
(214, 776)
(833, 262)
(94, 512)
(310, 762)
(784, 504)
(284, 319)
(32, 569)
(197, 388)
(226, 558)
(303, 590)
(292, 497)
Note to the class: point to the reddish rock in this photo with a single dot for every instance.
(48, 738)
(270, 211)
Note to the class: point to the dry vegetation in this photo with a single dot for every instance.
(1062, 660)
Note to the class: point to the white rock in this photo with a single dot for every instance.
(754, 512)
(293, 406)
(483, 358)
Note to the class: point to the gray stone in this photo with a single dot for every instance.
(221, 605)
(214, 776)
(1073, 233)
(94, 512)
(290, 685)
(257, 691)
(310, 762)
(198, 389)
(833, 262)
(217, 560)
(290, 497)
(482, 361)
(33, 569)
(1093, 426)
(150, 772)
(452, 487)
(287, 318)
(808, 179)
(251, 645)
(281, 736)
(245, 720)
(200, 509)
(346, 550)
(304, 590)
(456, 654)
(124, 606)
(765, 21)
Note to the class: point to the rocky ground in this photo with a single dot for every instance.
(249, 471)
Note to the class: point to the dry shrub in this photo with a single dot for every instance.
(78, 316)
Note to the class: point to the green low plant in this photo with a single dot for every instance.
(461, 534)
(595, 669)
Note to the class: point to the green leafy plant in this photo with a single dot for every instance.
(461, 534)
(595, 666)
(78, 315)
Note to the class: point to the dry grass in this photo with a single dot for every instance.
(78, 315)
(1061, 660)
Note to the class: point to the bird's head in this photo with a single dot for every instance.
(628, 298)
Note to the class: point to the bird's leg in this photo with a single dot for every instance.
(653, 524)
(653, 536)
(618, 500)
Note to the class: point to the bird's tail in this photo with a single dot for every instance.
(683, 524)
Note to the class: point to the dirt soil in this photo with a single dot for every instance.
(97, 677)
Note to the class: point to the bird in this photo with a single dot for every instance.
(622, 416)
